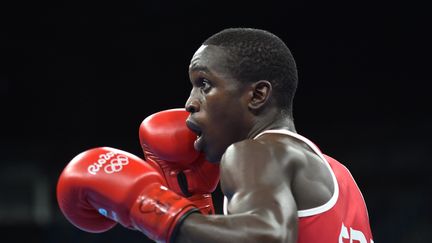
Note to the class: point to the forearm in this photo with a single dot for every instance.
(232, 228)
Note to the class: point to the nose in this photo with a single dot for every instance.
(192, 104)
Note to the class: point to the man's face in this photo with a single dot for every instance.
(217, 103)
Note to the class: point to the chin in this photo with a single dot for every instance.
(213, 158)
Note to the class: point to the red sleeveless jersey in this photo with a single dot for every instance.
(344, 218)
(347, 221)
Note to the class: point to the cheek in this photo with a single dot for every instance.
(223, 110)
(214, 106)
(225, 118)
(223, 104)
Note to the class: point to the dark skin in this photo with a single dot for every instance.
(266, 180)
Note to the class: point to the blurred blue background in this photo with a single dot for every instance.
(81, 74)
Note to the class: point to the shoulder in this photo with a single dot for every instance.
(245, 150)
(268, 149)
(266, 160)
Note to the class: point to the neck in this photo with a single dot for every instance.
(274, 120)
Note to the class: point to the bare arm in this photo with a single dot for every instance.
(261, 206)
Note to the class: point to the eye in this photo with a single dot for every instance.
(205, 85)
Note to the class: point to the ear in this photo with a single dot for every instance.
(260, 94)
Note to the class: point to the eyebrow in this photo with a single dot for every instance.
(200, 68)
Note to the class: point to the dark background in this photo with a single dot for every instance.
(81, 74)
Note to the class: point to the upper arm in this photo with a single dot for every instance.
(256, 183)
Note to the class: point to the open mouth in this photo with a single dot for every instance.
(193, 127)
(197, 130)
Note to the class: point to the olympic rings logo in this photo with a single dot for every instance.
(115, 164)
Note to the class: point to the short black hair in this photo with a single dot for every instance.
(255, 54)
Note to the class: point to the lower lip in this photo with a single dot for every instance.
(198, 144)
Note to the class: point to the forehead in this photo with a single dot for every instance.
(208, 57)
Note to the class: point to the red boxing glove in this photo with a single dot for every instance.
(102, 186)
(168, 146)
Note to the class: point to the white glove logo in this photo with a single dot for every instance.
(115, 165)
